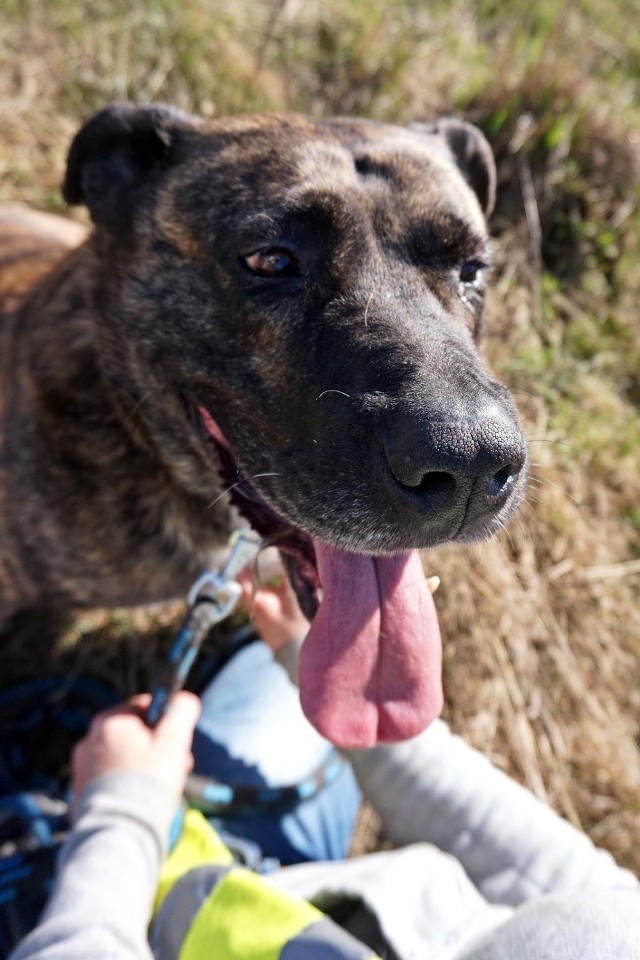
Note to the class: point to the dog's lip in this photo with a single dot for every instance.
(294, 544)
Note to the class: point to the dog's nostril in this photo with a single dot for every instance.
(500, 480)
(436, 483)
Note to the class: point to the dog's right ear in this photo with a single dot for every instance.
(117, 154)
(471, 152)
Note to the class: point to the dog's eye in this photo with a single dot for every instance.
(273, 262)
(470, 271)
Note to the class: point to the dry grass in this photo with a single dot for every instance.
(541, 626)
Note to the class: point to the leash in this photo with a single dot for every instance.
(212, 598)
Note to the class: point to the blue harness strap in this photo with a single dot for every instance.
(215, 798)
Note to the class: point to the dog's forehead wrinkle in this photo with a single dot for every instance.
(375, 136)
(398, 164)
(415, 163)
(321, 161)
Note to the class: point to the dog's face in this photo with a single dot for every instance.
(317, 286)
(312, 291)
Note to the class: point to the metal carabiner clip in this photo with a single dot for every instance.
(212, 598)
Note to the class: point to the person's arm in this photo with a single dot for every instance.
(127, 780)
(436, 788)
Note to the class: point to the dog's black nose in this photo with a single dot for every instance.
(472, 465)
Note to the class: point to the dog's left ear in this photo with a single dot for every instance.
(472, 153)
(116, 154)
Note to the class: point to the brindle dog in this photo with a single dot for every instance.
(282, 306)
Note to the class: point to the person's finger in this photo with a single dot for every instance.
(247, 581)
(138, 701)
(180, 719)
(269, 568)
(135, 706)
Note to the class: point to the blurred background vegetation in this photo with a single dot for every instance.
(541, 626)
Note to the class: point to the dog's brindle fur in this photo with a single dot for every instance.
(317, 286)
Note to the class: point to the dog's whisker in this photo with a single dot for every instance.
(558, 486)
(503, 529)
(544, 466)
(520, 390)
(143, 399)
(320, 395)
(525, 534)
(563, 443)
(233, 486)
(366, 309)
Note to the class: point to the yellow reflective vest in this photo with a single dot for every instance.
(209, 908)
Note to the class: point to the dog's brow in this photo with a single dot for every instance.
(302, 201)
(446, 238)
(259, 226)
(377, 166)
(260, 221)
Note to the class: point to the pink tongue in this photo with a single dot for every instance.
(370, 667)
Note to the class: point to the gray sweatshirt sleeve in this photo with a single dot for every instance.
(436, 788)
(107, 874)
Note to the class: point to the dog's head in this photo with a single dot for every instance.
(312, 293)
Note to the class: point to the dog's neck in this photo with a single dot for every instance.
(81, 428)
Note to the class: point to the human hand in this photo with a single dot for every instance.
(270, 602)
(119, 739)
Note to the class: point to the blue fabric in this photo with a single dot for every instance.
(252, 731)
